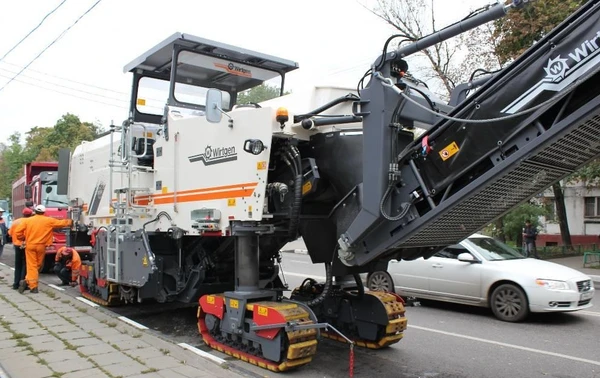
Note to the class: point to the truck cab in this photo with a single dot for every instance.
(43, 192)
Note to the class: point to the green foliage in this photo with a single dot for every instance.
(589, 174)
(514, 221)
(11, 164)
(519, 30)
(514, 34)
(259, 93)
(41, 144)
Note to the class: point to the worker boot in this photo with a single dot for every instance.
(22, 285)
(34, 290)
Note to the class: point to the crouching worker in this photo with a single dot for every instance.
(37, 234)
(67, 265)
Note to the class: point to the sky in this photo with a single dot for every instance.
(334, 42)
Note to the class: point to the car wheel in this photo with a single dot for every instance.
(509, 303)
(380, 281)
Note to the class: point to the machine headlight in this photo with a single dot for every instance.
(254, 146)
(552, 284)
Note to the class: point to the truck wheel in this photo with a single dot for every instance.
(380, 280)
(509, 303)
(47, 264)
(42, 266)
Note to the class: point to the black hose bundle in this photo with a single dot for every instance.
(296, 205)
(328, 279)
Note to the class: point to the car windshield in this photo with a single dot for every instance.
(493, 250)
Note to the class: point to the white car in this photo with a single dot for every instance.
(482, 271)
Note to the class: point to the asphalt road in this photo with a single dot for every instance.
(442, 340)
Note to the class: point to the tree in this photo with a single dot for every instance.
(516, 33)
(258, 94)
(415, 19)
(514, 221)
(520, 30)
(41, 144)
(11, 164)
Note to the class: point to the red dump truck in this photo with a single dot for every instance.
(38, 185)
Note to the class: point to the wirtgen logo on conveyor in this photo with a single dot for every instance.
(561, 71)
(215, 155)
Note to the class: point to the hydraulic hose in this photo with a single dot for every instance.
(382, 205)
(297, 201)
(321, 297)
(359, 285)
(146, 240)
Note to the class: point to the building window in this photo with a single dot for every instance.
(592, 207)
(550, 207)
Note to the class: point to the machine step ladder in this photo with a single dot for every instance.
(125, 207)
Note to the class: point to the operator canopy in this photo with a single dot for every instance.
(211, 62)
(184, 67)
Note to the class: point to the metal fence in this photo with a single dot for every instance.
(549, 252)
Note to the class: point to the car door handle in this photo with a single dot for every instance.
(437, 265)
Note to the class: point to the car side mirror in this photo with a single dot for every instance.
(467, 257)
(27, 191)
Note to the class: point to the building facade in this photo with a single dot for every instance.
(583, 215)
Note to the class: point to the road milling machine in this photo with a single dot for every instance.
(192, 198)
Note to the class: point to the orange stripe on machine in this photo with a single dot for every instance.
(202, 194)
(206, 196)
(250, 185)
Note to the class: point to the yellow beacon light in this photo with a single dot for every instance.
(282, 115)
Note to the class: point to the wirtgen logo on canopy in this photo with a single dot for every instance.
(561, 71)
(215, 155)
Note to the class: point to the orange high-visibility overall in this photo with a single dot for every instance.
(74, 263)
(37, 234)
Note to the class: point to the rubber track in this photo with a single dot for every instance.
(302, 350)
(395, 328)
(113, 299)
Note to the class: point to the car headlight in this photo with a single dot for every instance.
(552, 284)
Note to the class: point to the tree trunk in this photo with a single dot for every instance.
(561, 214)
(500, 229)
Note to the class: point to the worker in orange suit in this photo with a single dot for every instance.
(67, 265)
(19, 249)
(37, 234)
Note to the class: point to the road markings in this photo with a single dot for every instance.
(131, 322)
(89, 303)
(202, 353)
(303, 275)
(300, 262)
(507, 345)
(56, 287)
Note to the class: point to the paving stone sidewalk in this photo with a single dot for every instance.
(51, 334)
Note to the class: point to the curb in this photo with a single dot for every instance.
(300, 251)
(103, 312)
(3, 373)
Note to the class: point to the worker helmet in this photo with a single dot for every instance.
(67, 251)
(40, 209)
(1, 210)
(27, 211)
